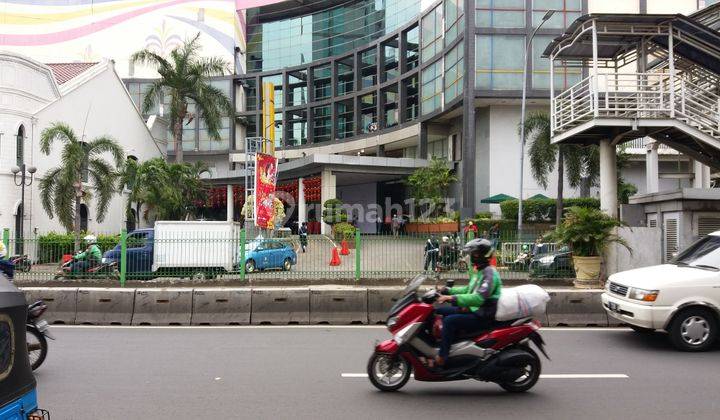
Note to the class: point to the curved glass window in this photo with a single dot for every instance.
(432, 84)
(432, 33)
(303, 39)
(7, 346)
(454, 72)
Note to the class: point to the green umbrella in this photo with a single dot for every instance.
(539, 197)
(497, 199)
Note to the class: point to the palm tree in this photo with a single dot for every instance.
(130, 178)
(580, 164)
(185, 77)
(62, 189)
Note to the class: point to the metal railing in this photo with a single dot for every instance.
(637, 95)
(362, 256)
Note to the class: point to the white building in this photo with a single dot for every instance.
(93, 100)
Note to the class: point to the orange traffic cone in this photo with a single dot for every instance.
(335, 260)
(345, 250)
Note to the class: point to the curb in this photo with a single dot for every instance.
(258, 306)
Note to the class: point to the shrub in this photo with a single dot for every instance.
(588, 232)
(333, 212)
(52, 246)
(484, 215)
(344, 230)
(543, 210)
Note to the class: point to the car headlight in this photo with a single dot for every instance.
(644, 295)
(547, 260)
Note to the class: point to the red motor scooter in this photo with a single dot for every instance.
(501, 355)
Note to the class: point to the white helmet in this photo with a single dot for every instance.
(445, 239)
(90, 239)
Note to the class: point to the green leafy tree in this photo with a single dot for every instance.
(83, 174)
(185, 77)
(578, 164)
(170, 191)
(430, 184)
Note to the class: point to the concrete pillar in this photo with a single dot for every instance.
(608, 178)
(302, 206)
(327, 192)
(652, 176)
(702, 175)
(230, 204)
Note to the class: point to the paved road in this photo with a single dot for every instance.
(295, 373)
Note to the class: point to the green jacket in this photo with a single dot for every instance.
(483, 286)
(93, 254)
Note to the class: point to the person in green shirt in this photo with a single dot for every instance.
(91, 257)
(473, 306)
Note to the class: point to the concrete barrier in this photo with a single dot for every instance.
(380, 300)
(162, 307)
(225, 306)
(105, 306)
(280, 306)
(61, 302)
(576, 308)
(338, 306)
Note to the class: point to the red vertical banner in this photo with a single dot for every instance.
(265, 181)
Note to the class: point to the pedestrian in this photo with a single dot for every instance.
(395, 225)
(471, 227)
(303, 233)
(431, 253)
(6, 266)
(495, 234)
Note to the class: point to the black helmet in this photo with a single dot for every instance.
(479, 250)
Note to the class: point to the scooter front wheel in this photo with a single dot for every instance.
(388, 372)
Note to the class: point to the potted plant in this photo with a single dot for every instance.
(429, 187)
(344, 231)
(588, 232)
(334, 212)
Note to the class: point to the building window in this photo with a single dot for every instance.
(20, 146)
(454, 72)
(437, 146)
(296, 128)
(189, 133)
(322, 82)
(411, 98)
(205, 142)
(567, 11)
(412, 53)
(368, 68)
(391, 105)
(500, 13)
(391, 59)
(277, 82)
(345, 119)
(499, 62)
(322, 124)
(368, 113)
(454, 22)
(564, 77)
(432, 32)
(346, 76)
(297, 88)
(83, 218)
(432, 88)
(251, 95)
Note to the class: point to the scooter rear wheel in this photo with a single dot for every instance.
(387, 372)
(529, 377)
(37, 347)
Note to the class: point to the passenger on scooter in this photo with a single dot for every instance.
(473, 306)
(91, 257)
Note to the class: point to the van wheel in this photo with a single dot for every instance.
(693, 329)
(287, 264)
(250, 266)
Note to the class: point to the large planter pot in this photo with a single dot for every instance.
(411, 228)
(587, 272)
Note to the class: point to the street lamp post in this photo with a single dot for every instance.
(545, 18)
(25, 181)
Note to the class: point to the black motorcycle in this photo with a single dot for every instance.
(38, 331)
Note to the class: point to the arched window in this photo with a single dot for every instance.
(20, 142)
(83, 218)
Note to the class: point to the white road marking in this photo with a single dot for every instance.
(542, 376)
(299, 327)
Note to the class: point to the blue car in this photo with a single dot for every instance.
(269, 253)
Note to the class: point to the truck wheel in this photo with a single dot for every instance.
(199, 275)
(250, 266)
(287, 264)
(693, 329)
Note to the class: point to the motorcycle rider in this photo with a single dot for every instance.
(91, 257)
(473, 306)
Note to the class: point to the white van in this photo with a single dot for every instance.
(681, 297)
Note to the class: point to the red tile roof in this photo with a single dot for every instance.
(64, 72)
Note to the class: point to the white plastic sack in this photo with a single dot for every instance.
(520, 302)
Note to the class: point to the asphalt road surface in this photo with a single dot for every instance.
(316, 373)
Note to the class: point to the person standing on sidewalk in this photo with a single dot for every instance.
(431, 253)
(303, 233)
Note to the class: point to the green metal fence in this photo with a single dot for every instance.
(203, 256)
